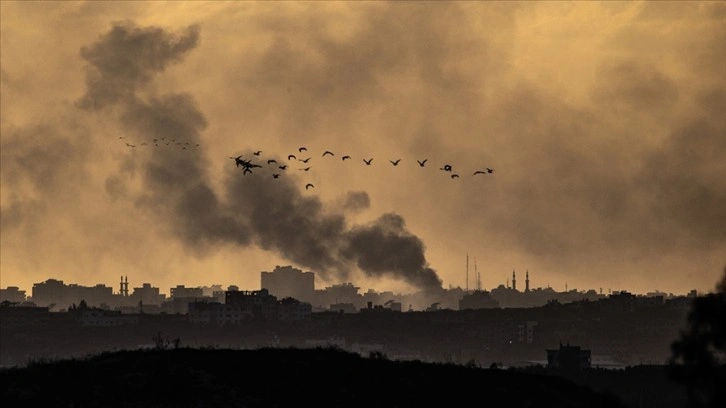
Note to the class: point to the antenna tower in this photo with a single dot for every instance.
(467, 273)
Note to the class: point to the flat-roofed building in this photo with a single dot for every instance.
(286, 281)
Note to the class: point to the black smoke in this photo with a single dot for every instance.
(252, 209)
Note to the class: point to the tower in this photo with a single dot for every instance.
(478, 277)
(124, 290)
(526, 282)
(467, 273)
(514, 280)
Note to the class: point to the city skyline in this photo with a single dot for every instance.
(124, 288)
(603, 122)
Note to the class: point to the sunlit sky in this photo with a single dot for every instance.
(603, 121)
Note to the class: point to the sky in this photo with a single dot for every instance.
(603, 123)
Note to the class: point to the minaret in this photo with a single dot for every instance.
(514, 280)
(526, 282)
(124, 291)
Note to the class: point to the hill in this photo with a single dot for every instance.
(188, 377)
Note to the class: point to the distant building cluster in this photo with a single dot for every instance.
(290, 294)
(453, 325)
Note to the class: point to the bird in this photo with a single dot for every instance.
(305, 169)
(395, 163)
(304, 160)
(368, 162)
(479, 172)
(453, 176)
(328, 152)
(346, 157)
(283, 167)
(447, 167)
(307, 186)
(275, 175)
(290, 157)
(490, 170)
(422, 163)
(302, 149)
(257, 153)
(271, 161)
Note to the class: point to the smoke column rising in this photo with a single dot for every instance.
(255, 209)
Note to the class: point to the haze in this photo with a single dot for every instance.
(604, 122)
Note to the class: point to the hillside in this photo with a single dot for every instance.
(278, 377)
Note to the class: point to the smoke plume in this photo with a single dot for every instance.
(253, 209)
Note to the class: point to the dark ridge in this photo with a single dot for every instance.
(278, 377)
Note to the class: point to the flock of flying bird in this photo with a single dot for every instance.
(247, 164)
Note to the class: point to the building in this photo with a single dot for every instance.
(217, 313)
(293, 310)
(339, 293)
(148, 295)
(259, 302)
(14, 315)
(569, 358)
(180, 305)
(343, 308)
(12, 294)
(525, 332)
(478, 299)
(180, 291)
(56, 293)
(106, 318)
(286, 281)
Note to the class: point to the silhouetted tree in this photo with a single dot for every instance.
(377, 355)
(159, 342)
(698, 358)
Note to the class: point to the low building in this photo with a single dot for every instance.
(106, 318)
(16, 315)
(181, 291)
(478, 299)
(12, 294)
(217, 313)
(293, 310)
(569, 358)
(259, 302)
(343, 308)
(337, 342)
